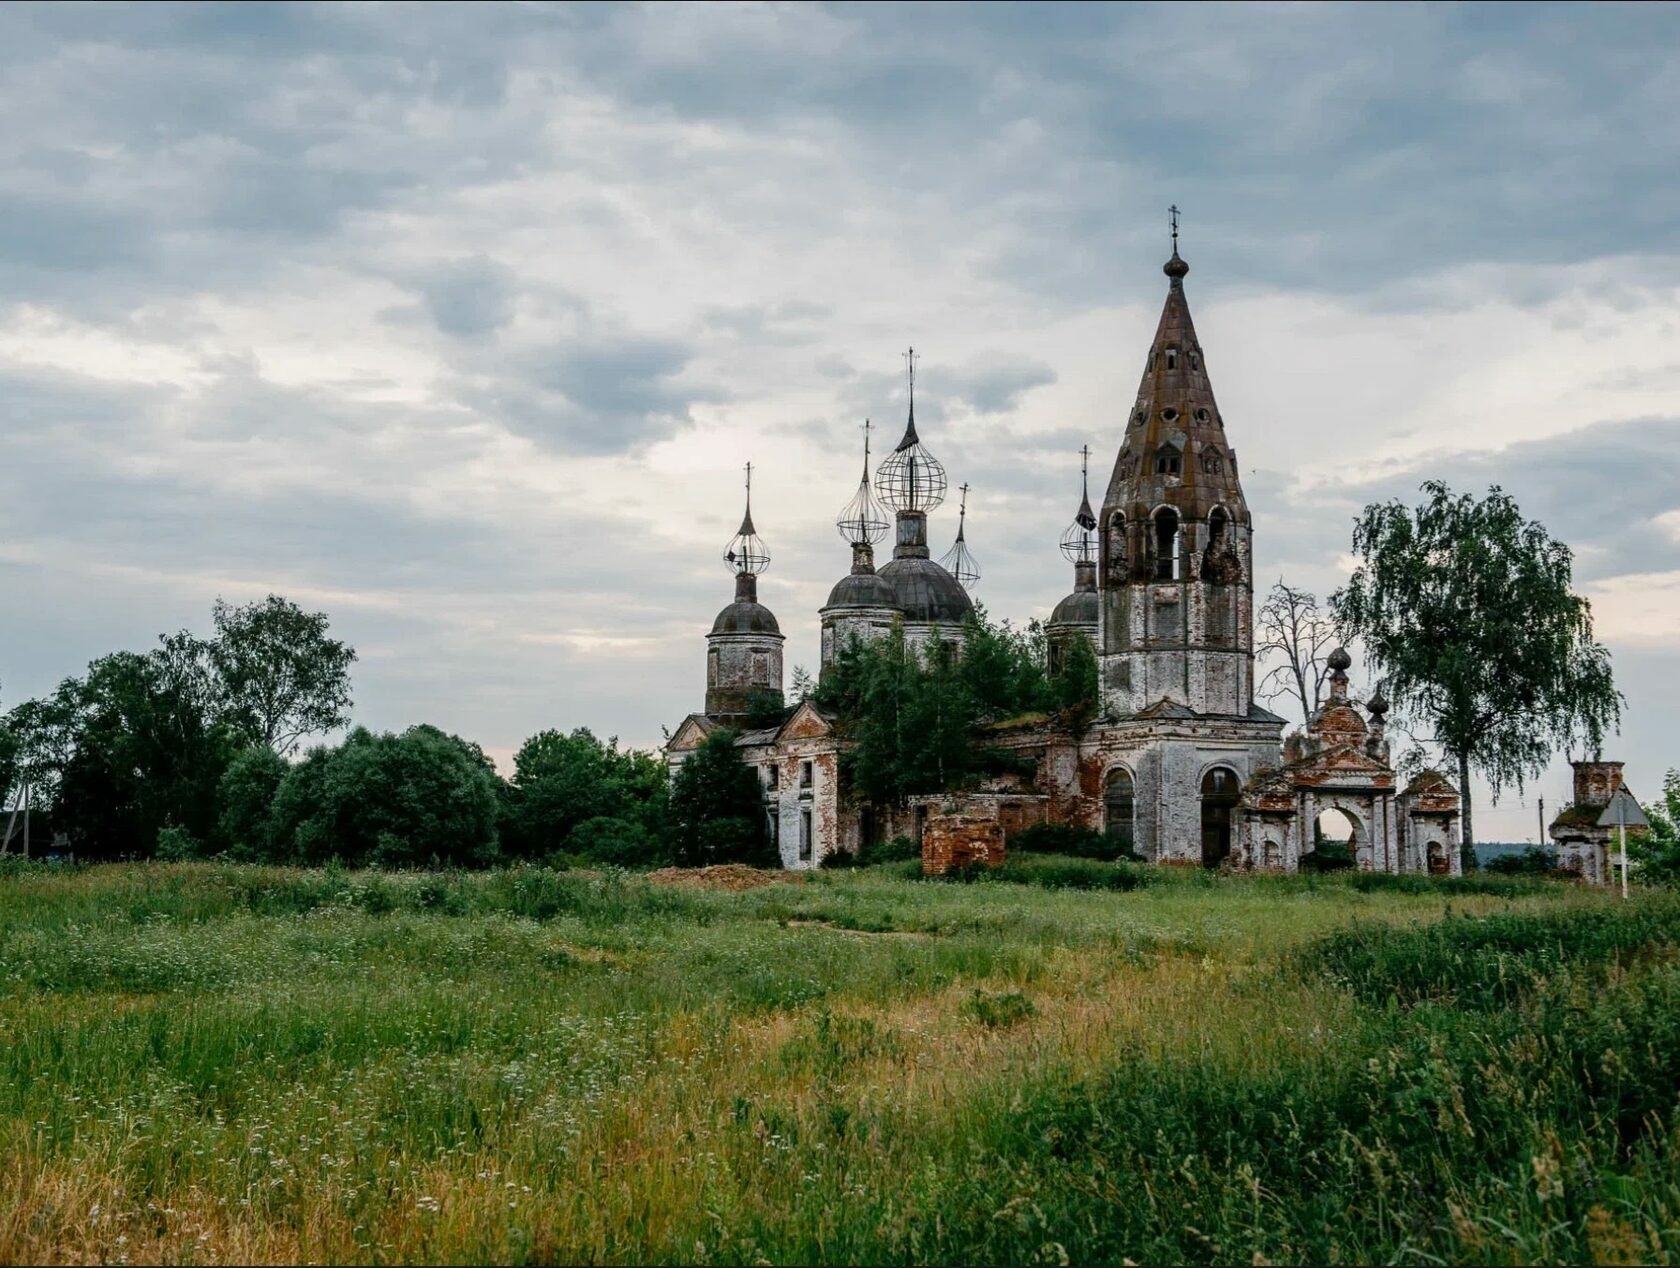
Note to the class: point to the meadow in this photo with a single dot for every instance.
(1073, 1062)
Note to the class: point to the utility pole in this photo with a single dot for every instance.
(1541, 812)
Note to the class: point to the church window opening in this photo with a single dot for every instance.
(1201, 416)
(1169, 415)
(1216, 528)
(712, 668)
(1166, 544)
(775, 831)
(1168, 460)
(1221, 790)
(805, 835)
(1119, 808)
(805, 775)
(1172, 358)
(1117, 546)
(760, 668)
(773, 776)
(1212, 463)
(1438, 859)
(1137, 418)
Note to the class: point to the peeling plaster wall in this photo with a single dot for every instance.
(731, 680)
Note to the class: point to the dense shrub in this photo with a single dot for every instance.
(419, 799)
(618, 842)
(1050, 871)
(1071, 840)
(562, 782)
(717, 808)
(897, 849)
(1488, 962)
(1530, 862)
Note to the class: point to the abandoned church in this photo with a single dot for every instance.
(1181, 765)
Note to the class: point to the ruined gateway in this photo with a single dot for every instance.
(1181, 764)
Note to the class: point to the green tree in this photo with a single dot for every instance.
(563, 781)
(1657, 851)
(419, 799)
(280, 676)
(245, 797)
(717, 808)
(1002, 669)
(1466, 611)
(1074, 691)
(134, 747)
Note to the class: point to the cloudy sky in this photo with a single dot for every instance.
(459, 322)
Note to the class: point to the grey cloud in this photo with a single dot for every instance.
(470, 297)
(995, 383)
(591, 394)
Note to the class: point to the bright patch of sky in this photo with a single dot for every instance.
(459, 321)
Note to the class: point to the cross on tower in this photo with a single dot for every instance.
(1172, 215)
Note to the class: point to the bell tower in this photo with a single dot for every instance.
(744, 649)
(1175, 574)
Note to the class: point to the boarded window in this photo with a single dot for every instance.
(1119, 808)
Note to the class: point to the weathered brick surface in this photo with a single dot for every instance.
(959, 840)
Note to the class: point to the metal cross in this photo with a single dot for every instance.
(1172, 213)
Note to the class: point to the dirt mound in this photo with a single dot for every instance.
(733, 877)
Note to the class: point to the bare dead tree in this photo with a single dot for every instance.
(1292, 628)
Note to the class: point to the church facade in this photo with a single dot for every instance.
(1181, 765)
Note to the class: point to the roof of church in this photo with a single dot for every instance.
(1175, 425)
(924, 591)
(1079, 608)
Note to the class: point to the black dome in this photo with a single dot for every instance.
(862, 590)
(746, 617)
(924, 591)
(1079, 608)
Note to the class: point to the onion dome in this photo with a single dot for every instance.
(746, 615)
(1079, 608)
(925, 592)
(863, 521)
(911, 478)
(958, 561)
(1339, 660)
(746, 553)
(1079, 542)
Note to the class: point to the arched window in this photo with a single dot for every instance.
(1221, 789)
(1217, 523)
(1166, 544)
(712, 667)
(1212, 463)
(1172, 358)
(1119, 807)
(1168, 460)
(1117, 546)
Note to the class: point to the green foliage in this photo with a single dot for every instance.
(1069, 840)
(618, 842)
(246, 796)
(177, 845)
(1657, 851)
(1489, 962)
(914, 718)
(561, 782)
(1466, 610)
(1530, 862)
(1075, 690)
(765, 709)
(897, 849)
(717, 808)
(1052, 871)
(419, 799)
(143, 741)
(280, 677)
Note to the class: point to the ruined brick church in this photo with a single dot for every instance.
(1181, 764)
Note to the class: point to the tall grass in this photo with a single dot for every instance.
(206, 1063)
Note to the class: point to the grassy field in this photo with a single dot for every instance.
(202, 1063)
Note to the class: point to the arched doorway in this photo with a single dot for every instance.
(1336, 838)
(1221, 790)
(1120, 808)
(1437, 856)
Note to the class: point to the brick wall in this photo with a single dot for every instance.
(958, 840)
